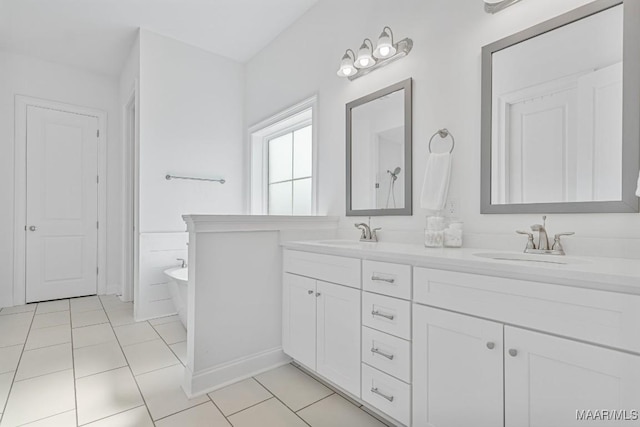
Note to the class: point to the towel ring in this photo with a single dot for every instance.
(443, 134)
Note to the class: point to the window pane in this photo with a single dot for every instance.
(302, 152)
(280, 158)
(302, 197)
(280, 198)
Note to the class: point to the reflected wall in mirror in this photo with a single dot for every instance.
(379, 152)
(553, 105)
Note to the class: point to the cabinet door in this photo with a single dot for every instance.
(548, 379)
(339, 335)
(457, 370)
(299, 319)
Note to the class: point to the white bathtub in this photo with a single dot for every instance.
(178, 289)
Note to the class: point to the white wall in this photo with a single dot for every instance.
(22, 75)
(191, 124)
(445, 65)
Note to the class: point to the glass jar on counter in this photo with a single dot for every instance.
(453, 235)
(434, 233)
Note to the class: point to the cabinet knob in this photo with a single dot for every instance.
(513, 352)
(32, 228)
(491, 345)
(310, 292)
(318, 294)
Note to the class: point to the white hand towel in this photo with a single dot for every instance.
(435, 187)
(638, 189)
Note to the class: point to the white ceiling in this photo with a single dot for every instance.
(98, 34)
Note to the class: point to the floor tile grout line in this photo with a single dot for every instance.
(13, 380)
(165, 341)
(219, 410)
(317, 401)
(112, 415)
(45, 418)
(183, 410)
(131, 372)
(248, 407)
(286, 406)
(101, 372)
(43, 375)
(73, 365)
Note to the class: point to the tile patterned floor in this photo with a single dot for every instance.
(86, 362)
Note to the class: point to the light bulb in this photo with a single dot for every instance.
(364, 59)
(385, 48)
(346, 66)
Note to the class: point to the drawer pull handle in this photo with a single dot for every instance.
(382, 353)
(375, 390)
(386, 316)
(382, 279)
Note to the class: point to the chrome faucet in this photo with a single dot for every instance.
(368, 235)
(184, 262)
(543, 240)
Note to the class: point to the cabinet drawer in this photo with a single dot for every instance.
(388, 394)
(329, 268)
(599, 317)
(387, 353)
(386, 314)
(387, 278)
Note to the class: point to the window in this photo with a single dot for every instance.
(283, 163)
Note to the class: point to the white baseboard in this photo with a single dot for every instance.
(113, 289)
(199, 383)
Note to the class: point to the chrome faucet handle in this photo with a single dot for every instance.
(184, 262)
(362, 227)
(557, 245)
(374, 234)
(530, 243)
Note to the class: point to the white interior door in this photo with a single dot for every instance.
(62, 204)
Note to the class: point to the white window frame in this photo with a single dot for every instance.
(293, 118)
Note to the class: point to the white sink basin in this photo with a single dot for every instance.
(342, 243)
(545, 259)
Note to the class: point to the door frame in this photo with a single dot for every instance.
(22, 102)
(130, 202)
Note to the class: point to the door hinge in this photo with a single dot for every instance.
(97, 180)
(97, 224)
(97, 270)
(98, 133)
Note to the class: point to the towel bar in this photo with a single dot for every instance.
(443, 134)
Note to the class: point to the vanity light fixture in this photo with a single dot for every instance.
(369, 58)
(494, 6)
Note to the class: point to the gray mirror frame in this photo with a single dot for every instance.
(408, 145)
(631, 113)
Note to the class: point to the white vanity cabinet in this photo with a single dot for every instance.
(457, 370)
(465, 367)
(321, 320)
(548, 379)
(386, 338)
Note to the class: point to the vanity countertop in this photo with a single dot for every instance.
(607, 274)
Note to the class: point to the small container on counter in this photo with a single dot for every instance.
(453, 235)
(434, 233)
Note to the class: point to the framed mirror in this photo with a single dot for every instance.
(379, 152)
(561, 112)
